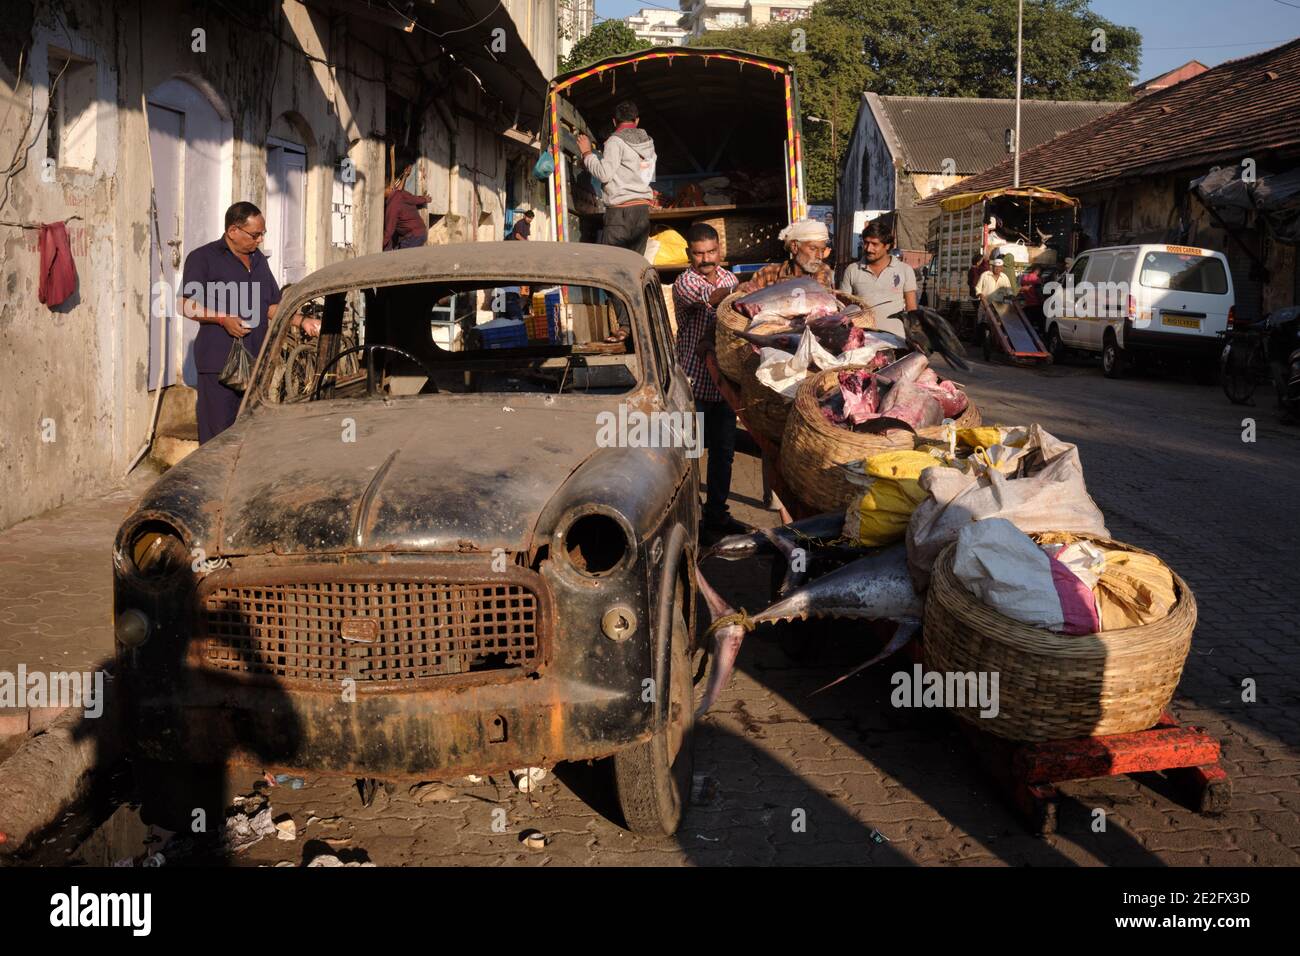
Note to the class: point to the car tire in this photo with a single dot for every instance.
(654, 783)
(1055, 347)
(1113, 359)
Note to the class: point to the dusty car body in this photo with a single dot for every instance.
(470, 583)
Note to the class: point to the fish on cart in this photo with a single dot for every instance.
(876, 587)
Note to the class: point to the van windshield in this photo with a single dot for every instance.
(1182, 272)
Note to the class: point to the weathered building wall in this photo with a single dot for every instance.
(922, 185)
(75, 403)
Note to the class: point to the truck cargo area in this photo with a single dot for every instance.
(726, 143)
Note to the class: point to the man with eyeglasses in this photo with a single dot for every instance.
(228, 288)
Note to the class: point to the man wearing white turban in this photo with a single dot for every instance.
(809, 244)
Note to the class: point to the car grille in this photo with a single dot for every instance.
(373, 631)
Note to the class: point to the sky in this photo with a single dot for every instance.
(1173, 31)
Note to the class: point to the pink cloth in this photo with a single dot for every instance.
(1078, 606)
(58, 271)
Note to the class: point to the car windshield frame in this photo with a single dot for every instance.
(256, 396)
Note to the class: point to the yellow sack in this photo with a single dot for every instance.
(879, 516)
(672, 248)
(1133, 589)
(986, 436)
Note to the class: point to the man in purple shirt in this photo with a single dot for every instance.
(228, 288)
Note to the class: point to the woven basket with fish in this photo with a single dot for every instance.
(813, 449)
(766, 411)
(737, 358)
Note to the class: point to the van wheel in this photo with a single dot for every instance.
(653, 779)
(1113, 359)
(1055, 347)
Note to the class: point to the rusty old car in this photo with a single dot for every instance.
(427, 555)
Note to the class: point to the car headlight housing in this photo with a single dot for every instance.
(153, 551)
(596, 543)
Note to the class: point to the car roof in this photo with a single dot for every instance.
(552, 263)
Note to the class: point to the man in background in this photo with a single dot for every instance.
(523, 228)
(995, 285)
(626, 170)
(404, 228)
(223, 280)
(696, 295)
(886, 284)
(808, 243)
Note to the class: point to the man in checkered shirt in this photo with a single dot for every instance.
(696, 295)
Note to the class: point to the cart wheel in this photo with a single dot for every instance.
(1055, 347)
(1040, 804)
(1216, 796)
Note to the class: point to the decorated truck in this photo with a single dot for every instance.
(727, 136)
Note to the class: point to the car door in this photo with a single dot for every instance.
(1068, 323)
(1096, 279)
(1121, 287)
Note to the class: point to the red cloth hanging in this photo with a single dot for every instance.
(58, 271)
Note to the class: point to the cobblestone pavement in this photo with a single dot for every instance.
(1166, 462)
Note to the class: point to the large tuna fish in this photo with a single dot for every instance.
(877, 587)
(790, 297)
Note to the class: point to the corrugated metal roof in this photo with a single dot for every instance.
(926, 130)
(1243, 107)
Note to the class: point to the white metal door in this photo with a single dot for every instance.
(286, 212)
(166, 137)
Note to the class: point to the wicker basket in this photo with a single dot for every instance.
(812, 449)
(765, 411)
(1057, 686)
(737, 358)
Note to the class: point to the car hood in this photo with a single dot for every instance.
(460, 474)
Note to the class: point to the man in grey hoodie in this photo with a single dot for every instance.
(626, 171)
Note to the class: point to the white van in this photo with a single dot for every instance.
(1125, 301)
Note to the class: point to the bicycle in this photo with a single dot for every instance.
(1243, 363)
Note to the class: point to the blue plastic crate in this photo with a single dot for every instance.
(504, 334)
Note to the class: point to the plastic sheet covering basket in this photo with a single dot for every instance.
(1057, 686)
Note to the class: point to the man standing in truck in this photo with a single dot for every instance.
(626, 171)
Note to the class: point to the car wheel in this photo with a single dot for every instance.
(1055, 347)
(653, 779)
(1112, 358)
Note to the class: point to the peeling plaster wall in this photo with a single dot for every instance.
(82, 369)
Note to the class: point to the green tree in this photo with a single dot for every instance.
(605, 39)
(936, 48)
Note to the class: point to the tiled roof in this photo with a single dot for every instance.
(1243, 107)
(926, 130)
